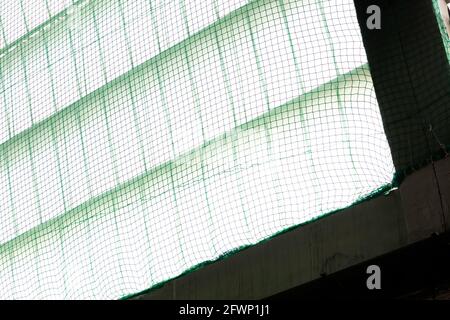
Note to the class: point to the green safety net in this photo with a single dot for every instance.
(442, 11)
(141, 138)
(18, 18)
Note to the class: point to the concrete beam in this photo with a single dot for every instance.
(326, 246)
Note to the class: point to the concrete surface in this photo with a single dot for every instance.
(354, 235)
(411, 76)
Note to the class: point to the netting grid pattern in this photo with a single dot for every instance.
(140, 138)
(442, 27)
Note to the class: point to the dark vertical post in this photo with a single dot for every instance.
(411, 76)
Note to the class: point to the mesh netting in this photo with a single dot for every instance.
(141, 138)
(442, 11)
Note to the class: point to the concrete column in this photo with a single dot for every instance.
(411, 76)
